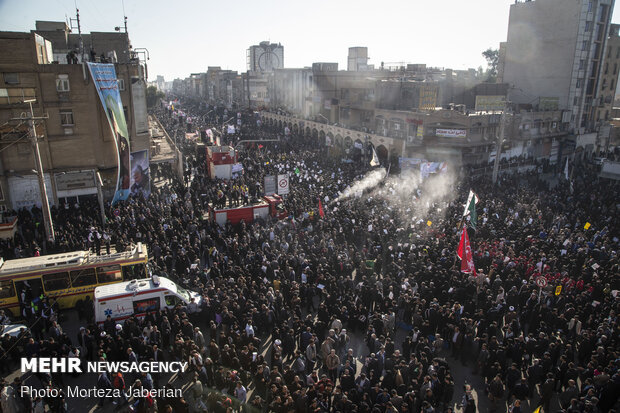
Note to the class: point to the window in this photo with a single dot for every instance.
(172, 300)
(584, 45)
(62, 83)
(578, 83)
(145, 306)
(615, 68)
(16, 95)
(56, 281)
(133, 272)
(589, 7)
(83, 277)
(582, 64)
(109, 273)
(66, 117)
(121, 84)
(7, 289)
(588, 26)
(618, 53)
(611, 85)
(11, 78)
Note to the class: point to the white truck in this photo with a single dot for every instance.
(139, 297)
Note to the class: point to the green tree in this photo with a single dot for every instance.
(153, 95)
(492, 56)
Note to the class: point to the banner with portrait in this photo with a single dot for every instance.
(106, 84)
(140, 174)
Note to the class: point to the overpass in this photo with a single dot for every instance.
(339, 139)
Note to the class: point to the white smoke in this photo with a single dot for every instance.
(370, 180)
(417, 199)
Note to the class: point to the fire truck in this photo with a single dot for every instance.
(268, 206)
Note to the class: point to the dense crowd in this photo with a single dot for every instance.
(363, 309)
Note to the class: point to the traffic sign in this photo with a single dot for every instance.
(283, 184)
(541, 282)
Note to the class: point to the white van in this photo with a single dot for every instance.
(139, 297)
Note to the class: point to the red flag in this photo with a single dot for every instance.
(465, 254)
(321, 212)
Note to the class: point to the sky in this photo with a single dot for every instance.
(187, 36)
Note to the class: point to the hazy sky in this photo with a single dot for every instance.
(186, 36)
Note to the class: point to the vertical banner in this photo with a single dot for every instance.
(104, 78)
(138, 90)
(140, 173)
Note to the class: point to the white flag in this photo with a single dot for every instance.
(566, 170)
(375, 158)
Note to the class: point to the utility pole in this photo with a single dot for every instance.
(498, 144)
(99, 182)
(47, 217)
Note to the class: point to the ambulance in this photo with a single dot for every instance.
(139, 297)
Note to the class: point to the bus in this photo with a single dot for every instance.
(68, 277)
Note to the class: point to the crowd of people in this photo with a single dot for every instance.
(358, 305)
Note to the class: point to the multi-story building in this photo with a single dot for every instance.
(357, 59)
(555, 51)
(75, 141)
(224, 87)
(609, 76)
(265, 57)
(290, 89)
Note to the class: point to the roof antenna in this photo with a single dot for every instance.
(79, 27)
(125, 17)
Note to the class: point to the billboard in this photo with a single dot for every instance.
(409, 163)
(428, 168)
(490, 103)
(270, 184)
(140, 173)
(451, 133)
(106, 84)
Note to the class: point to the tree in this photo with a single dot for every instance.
(153, 95)
(492, 56)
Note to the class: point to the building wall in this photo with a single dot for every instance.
(76, 134)
(542, 36)
(609, 76)
(357, 58)
(554, 50)
(265, 57)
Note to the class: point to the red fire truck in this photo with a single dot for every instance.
(268, 206)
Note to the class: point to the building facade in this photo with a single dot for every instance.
(554, 52)
(75, 140)
(265, 57)
(357, 59)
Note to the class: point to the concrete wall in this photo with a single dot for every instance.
(540, 49)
